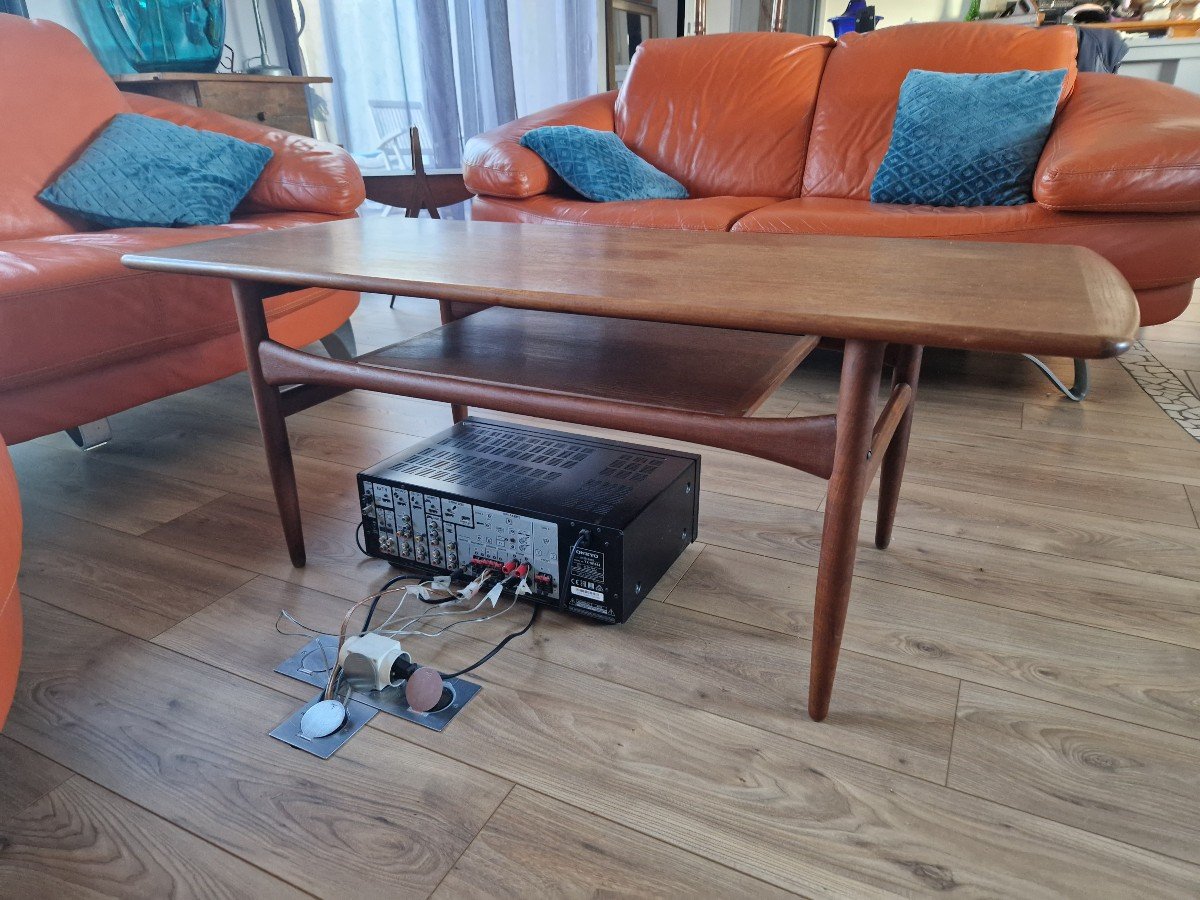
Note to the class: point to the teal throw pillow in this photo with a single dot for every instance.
(143, 171)
(599, 166)
(968, 140)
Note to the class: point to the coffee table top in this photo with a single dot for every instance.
(1012, 298)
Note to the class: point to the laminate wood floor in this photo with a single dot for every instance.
(1017, 711)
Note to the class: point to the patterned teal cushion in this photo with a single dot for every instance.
(968, 140)
(599, 166)
(146, 171)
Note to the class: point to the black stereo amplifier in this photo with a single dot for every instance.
(490, 495)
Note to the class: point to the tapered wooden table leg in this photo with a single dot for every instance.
(861, 368)
(249, 296)
(907, 371)
(458, 412)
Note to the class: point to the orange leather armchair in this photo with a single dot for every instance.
(784, 133)
(81, 336)
(10, 602)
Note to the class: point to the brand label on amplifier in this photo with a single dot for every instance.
(587, 574)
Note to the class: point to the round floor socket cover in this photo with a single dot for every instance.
(322, 719)
(423, 689)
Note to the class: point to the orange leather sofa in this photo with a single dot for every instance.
(10, 602)
(784, 133)
(81, 336)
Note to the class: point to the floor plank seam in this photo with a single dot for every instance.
(931, 481)
(1087, 712)
(962, 680)
(1076, 828)
(153, 639)
(953, 732)
(25, 592)
(664, 840)
(927, 590)
(901, 528)
(454, 865)
(15, 814)
(220, 849)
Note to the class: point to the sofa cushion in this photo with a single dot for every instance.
(56, 99)
(968, 140)
(1151, 251)
(725, 114)
(146, 172)
(597, 165)
(704, 214)
(68, 304)
(861, 87)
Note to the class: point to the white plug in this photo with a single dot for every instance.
(367, 661)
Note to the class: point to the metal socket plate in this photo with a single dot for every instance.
(311, 665)
(357, 715)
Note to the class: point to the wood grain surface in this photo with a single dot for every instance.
(80, 840)
(706, 370)
(1018, 710)
(1036, 298)
(1131, 783)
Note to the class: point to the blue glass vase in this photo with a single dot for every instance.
(167, 35)
(844, 23)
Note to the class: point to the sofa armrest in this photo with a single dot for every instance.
(495, 164)
(303, 175)
(10, 600)
(1122, 144)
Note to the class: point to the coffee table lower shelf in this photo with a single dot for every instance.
(683, 382)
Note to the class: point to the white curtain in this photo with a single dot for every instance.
(454, 68)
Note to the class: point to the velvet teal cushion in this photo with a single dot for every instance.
(968, 140)
(599, 166)
(146, 171)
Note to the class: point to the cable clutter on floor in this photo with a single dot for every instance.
(375, 656)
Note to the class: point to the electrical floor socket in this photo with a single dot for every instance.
(357, 715)
(310, 665)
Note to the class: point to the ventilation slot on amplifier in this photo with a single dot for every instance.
(630, 467)
(538, 451)
(473, 472)
(598, 497)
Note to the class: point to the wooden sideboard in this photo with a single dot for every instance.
(276, 100)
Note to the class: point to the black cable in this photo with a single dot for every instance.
(358, 532)
(374, 603)
(584, 535)
(430, 600)
(537, 608)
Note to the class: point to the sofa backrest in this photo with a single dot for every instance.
(724, 114)
(861, 88)
(56, 98)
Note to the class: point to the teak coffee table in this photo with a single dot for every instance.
(675, 334)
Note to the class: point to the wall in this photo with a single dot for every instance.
(742, 15)
(898, 12)
(240, 32)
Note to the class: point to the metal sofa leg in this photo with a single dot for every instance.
(340, 344)
(1075, 392)
(92, 435)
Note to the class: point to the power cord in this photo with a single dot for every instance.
(533, 617)
(375, 602)
(584, 536)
